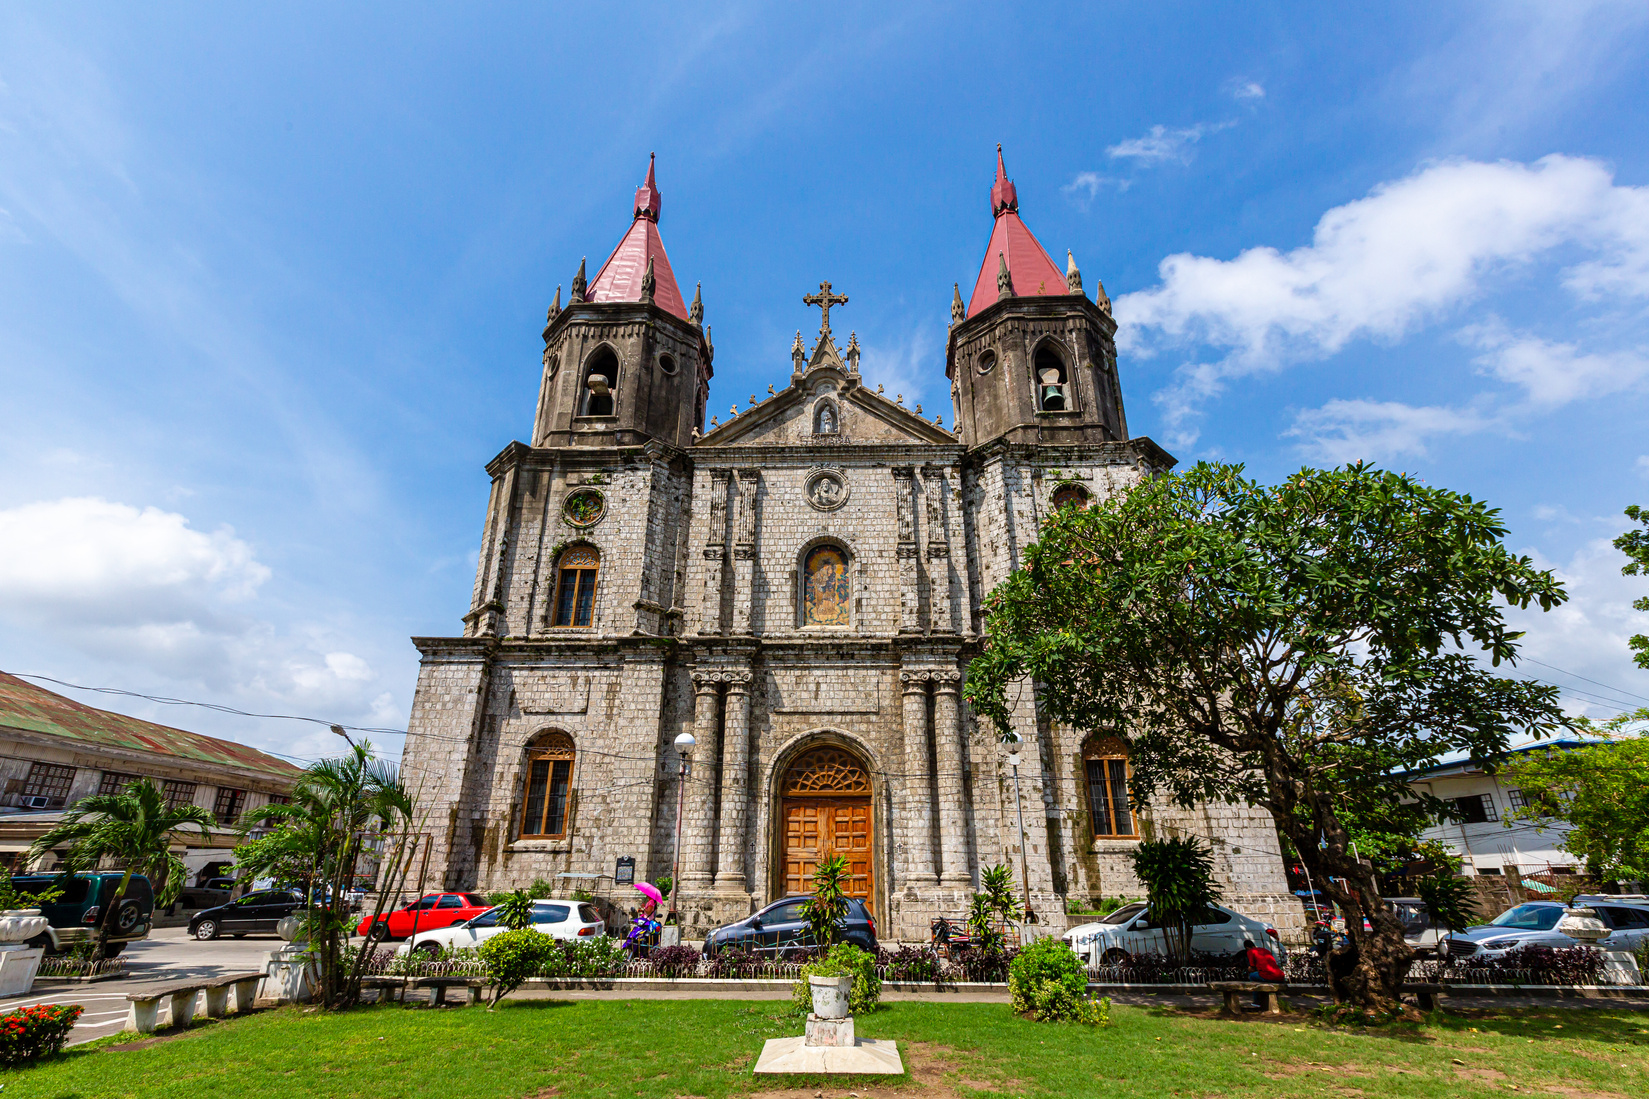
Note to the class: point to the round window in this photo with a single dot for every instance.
(987, 361)
(584, 508)
(667, 363)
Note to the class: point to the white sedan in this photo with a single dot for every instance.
(1129, 930)
(564, 919)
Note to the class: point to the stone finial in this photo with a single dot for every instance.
(1004, 281)
(1073, 277)
(798, 354)
(649, 282)
(695, 312)
(918, 408)
(733, 411)
(581, 284)
(958, 311)
(939, 419)
(752, 398)
(852, 353)
(878, 389)
(1101, 299)
(770, 392)
(714, 423)
(709, 344)
(549, 318)
(899, 399)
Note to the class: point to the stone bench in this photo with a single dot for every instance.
(1233, 989)
(230, 993)
(470, 985)
(386, 986)
(1426, 995)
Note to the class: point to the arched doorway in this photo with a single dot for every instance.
(825, 809)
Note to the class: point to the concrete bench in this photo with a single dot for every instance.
(471, 986)
(1426, 995)
(388, 987)
(230, 993)
(1233, 989)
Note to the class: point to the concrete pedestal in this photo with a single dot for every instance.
(865, 1055)
(829, 1032)
(291, 975)
(18, 965)
(1620, 968)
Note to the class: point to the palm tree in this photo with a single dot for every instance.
(334, 806)
(132, 828)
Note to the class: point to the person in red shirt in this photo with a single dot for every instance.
(1262, 966)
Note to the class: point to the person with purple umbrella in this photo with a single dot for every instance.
(644, 925)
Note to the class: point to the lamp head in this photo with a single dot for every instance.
(684, 744)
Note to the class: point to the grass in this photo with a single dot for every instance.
(671, 1048)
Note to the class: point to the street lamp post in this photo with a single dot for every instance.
(1024, 877)
(684, 749)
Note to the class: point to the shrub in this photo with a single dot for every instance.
(30, 1033)
(515, 910)
(1053, 1002)
(734, 963)
(1575, 965)
(975, 964)
(1179, 883)
(674, 961)
(844, 960)
(913, 963)
(513, 956)
(1049, 982)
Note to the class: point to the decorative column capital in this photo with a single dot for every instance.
(946, 682)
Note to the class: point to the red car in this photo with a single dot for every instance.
(433, 911)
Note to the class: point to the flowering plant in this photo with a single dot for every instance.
(30, 1033)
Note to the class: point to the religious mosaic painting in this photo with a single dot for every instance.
(825, 590)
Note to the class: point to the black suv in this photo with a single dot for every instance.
(781, 926)
(254, 913)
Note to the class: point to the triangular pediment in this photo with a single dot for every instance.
(790, 417)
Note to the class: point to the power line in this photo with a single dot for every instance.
(1576, 675)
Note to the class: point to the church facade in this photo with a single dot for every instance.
(801, 589)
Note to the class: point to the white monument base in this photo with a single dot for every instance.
(18, 965)
(1620, 968)
(867, 1055)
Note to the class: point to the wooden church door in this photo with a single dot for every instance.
(827, 811)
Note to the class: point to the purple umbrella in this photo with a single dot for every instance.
(651, 890)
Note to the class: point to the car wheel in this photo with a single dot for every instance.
(127, 917)
(206, 930)
(378, 932)
(1113, 956)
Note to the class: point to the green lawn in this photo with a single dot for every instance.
(671, 1048)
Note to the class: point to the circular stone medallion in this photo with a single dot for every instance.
(584, 508)
(826, 490)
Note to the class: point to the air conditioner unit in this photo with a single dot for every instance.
(36, 802)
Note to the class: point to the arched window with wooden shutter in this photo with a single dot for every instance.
(546, 800)
(576, 574)
(1105, 762)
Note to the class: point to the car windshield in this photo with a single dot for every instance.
(486, 919)
(1123, 914)
(1529, 917)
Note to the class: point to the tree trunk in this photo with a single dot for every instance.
(106, 924)
(1375, 983)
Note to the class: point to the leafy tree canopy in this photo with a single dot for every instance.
(1296, 647)
(1601, 791)
(1635, 545)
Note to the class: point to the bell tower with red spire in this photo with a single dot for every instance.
(1031, 358)
(626, 360)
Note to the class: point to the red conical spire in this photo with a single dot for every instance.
(1003, 195)
(648, 200)
(1023, 266)
(621, 278)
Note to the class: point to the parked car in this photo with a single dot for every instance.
(435, 911)
(208, 894)
(780, 926)
(1129, 930)
(1535, 923)
(1420, 931)
(563, 919)
(254, 914)
(75, 915)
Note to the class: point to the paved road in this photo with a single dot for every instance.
(169, 954)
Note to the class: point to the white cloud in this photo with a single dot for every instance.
(1161, 144)
(1587, 636)
(1347, 431)
(1248, 90)
(1553, 374)
(911, 365)
(1087, 185)
(1381, 266)
(1643, 465)
(140, 590)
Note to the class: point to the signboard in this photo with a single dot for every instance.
(626, 872)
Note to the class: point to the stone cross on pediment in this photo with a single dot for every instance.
(824, 299)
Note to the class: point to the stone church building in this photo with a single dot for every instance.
(800, 587)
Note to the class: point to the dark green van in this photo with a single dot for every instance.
(74, 916)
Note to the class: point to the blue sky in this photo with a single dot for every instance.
(271, 283)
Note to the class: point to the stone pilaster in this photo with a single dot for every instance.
(715, 552)
(735, 784)
(744, 552)
(942, 579)
(697, 809)
(910, 601)
(918, 825)
(953, 816)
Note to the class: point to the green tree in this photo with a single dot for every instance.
(515, 910)
(827, 908)
(1635, 545)
(1178, 875)
(1601, 792)
(336, 805)
(1294, 647)
(132, 828)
